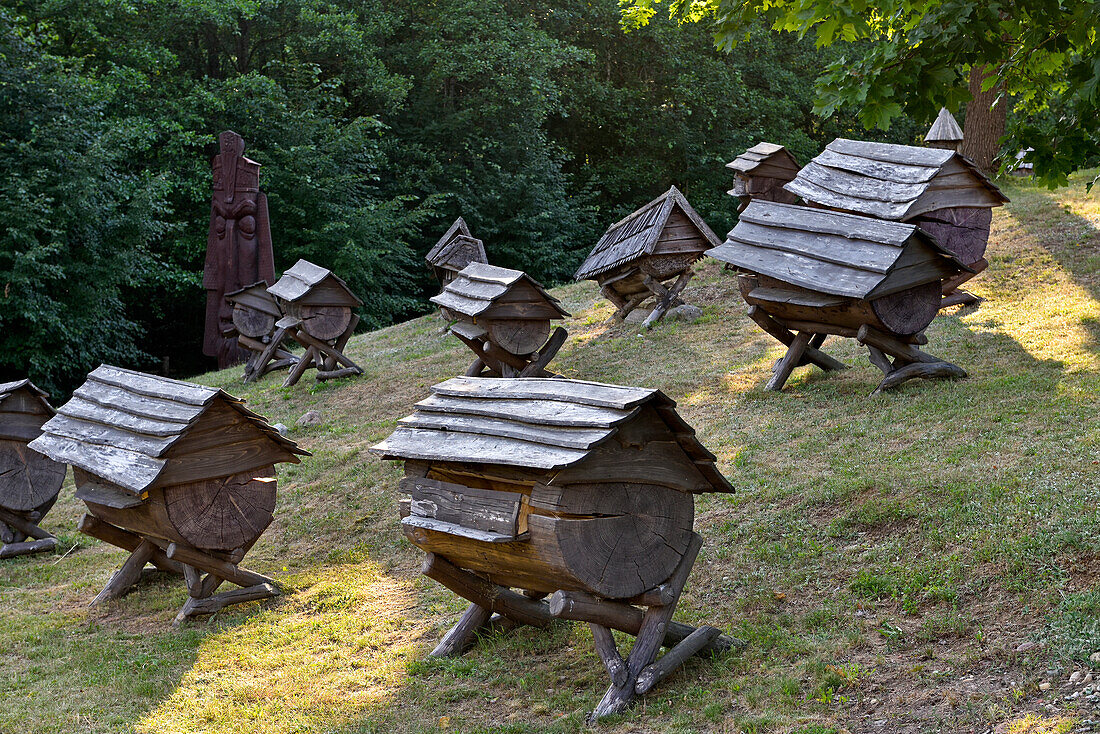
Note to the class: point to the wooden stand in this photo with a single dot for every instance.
(953, 295)
(268, 355)
(493, 360)
(178, 558)
(624, 294)
(20, 535)
(653, 627)
(324, 354)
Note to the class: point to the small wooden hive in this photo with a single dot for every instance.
(319, 316)
(552, 486)
(176, 472)
(456, 249)
(940, 191)
(820, 272)
(638, 255)
(255, 313)
(29, 481)
(504, 317)
(760, 173)
(945, 133)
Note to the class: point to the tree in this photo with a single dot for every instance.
(918, 55)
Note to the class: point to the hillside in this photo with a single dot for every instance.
(887, 559)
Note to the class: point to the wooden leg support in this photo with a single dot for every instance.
(537, 368)
(790, 360)
(96, 528)
(909, 361)
(486, 594)
(666, 297)
(459, 638)
(953, 295)
(299, 369)
(128, 575)
(23, 536)
(811, 352)
(195, 606)
(260, 366)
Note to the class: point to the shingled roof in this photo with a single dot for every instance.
(120, 424)
(544, 424)
(636, 236)
(945, 129)
(256, 296)
(832, 252)
(478, 286)
(895, 182)
(302, 278)
(765, 159)
(455, 241)
(7, 388)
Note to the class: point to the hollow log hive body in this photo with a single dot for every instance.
(255, 313)
(456, 249)
(29, 481)
(551, 486)
(760, 173)
(170, 464)
(835, 273)
(637, 257)
(504, 316)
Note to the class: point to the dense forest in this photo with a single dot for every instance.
(376, 122)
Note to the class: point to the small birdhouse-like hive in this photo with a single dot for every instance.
(640, 255)
(579, 490)
(760, 173)
(940, 191)
(319, 316)
(29, 481)
(811, 272)
(504, 317)
(255, 313)
(945, 133)
(179, 474)
(456, 249)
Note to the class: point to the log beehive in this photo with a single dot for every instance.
(640, 256)
(255, 313)
(181, 470)
(820, 272)
(456, 249)
(504, 316)
(760, 173)
(29, 481)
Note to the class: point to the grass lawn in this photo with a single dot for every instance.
(923, 560)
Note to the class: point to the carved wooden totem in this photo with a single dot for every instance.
(238, 246)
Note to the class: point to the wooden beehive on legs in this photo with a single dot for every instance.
(809, 273)
(579, 491)
(255, 313)
(504, 317)
(319, 316)
(938, 190)
(456, 249)
(649, 254)
(760, 173)
(180, 475)
(29, 481)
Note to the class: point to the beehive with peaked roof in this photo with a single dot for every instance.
(255, 310)
(456, 249)
(547, 484)
(317, 298)
(760, 173)
(945, 132)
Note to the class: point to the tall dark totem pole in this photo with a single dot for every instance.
(238, 247)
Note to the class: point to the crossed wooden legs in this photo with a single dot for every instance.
(953, 295)
(666, 298)
(502, 363)
(266, 357)
(191, 563)
(17, 531)
(323, 355)
(909, 362)
(653, 627)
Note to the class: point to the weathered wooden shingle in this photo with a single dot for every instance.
(764, 156)
(256, 296)
(894, 182)
(302, 278)
(120, 424)
(8, 388)
(544, 424)
(457, 248)
(636, 236)
(479, 286)
(832, 252)
(945, 129)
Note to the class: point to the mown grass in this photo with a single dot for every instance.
(883, 557)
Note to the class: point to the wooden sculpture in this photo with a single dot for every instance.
(579, 491)
(945, 133)
(760, 172)
(319, 316)
(255, 313)
(238, 246)
(180, 475)
(812, 272)
(504, 317)
(29, 481)
(456, 249)
(938, 190)
(639, 256)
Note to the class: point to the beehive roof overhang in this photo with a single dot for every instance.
(635, 236)
(256, 296)
(458, 228)
(302, 277)
(456, 237)
(767, 155)
(8, 388)
(478, 286)
(833, 252)
(544, 424)
(120, 424)
(893, 182)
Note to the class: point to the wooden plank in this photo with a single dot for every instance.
(575, 438)
(873, 208)
(461, 304)
(451, 528)
(800, 270)
(152, 386)
(99, 434)
(128, 469)
(895, 172)
(91, 489)
(545, 412)
(486, 594)
(807, 299)
(87, 411)
(823, 221)
(478, 290)
(581, 392)
(414, 443)
(221, 461)
(461, 636)
(891, 153)
(847, 251)
(21, 426)
(486, 510)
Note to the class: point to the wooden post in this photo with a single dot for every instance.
(459, 637)
(910, 362)
(128, 575)
(652, 674)
(216, 566)
(777, 330)
(485, 593)
(209, 605)
(537, 368)
(665, 297)
(790, 360)
(96, 528)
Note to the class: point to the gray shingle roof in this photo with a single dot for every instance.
(945, 128)
(761, 153)
(479, 285)
(7, 388)
(299, 279)
(458, 235)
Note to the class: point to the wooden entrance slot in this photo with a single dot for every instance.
(649, 254)
(760, 173)
(544, 499)
(255, 313)
(456, 249)
(938, 190)
(504, 317)
(180, 475)
(810, 273)
(29, 481)
(319, 316)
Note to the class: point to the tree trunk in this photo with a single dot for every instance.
(985, 123)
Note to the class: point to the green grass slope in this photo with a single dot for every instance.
(885, 558)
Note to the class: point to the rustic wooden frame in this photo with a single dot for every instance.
(20, 534)
(494, 361)
(324, 355)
